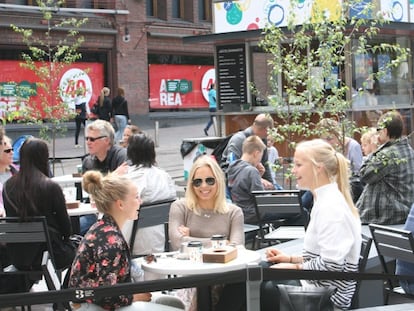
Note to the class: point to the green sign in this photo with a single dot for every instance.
(179, 86)
(24, 89)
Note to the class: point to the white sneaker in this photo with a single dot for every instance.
(77, 146)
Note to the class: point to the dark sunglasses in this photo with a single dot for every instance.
(209, 181)
(7, 150)
(92, 139)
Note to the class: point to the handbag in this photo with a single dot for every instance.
(64, 250)
(299, 298)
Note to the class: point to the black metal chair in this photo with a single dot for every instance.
(363, 259)
(286, 204)
(52, 279)
(392, 243)
(28, 234)
(153, 214)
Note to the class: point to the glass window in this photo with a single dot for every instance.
(176, 9)
(151, 8)
(390, 90)
(204, 10)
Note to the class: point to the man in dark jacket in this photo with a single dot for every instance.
(261, 124)
(104, 156)
(388, 175)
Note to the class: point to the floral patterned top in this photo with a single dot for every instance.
(103, 258)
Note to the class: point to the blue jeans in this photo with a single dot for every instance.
(121, 122)
(85, 222)
(210, 122)
(407, 286)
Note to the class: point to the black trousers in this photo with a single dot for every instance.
(79, 122)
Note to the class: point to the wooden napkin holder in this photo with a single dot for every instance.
(72, 205)
(222, 255)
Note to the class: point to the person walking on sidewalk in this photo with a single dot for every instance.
(82, 112)
(120, 114)
(212, 106)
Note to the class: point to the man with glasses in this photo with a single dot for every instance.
(104, 156)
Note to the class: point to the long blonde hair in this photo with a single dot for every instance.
(220, 203)
(335, 164)
(104, 92)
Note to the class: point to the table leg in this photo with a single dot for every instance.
(204, 298)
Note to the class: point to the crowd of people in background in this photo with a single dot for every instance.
(112, 110)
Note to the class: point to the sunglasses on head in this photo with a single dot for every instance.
(209, 181)
(92, 139)
(7, 150)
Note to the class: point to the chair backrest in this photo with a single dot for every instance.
(14, 230)
(287, 203)
(284, 203)
(156, 213)
(393, 243)
(30, 235)
(35, 230)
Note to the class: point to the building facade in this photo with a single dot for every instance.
(125, 36)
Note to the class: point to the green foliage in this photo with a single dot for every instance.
(56, 47)
(53, 49)
(303, 58)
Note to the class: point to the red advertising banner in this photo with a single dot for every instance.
(14, 80)
(179, 86)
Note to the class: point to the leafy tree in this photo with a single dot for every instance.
(304, 58)
(48, 54)
(307, 55)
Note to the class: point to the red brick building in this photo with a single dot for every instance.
(124, 35)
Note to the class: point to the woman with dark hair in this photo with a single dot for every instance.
(103, 108)
(154, 184)
(120, 113)
(32, 193)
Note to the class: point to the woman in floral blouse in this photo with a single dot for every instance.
(103, 256)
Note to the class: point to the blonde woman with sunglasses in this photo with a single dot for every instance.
(204, 211)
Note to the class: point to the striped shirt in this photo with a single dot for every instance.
(333, 242)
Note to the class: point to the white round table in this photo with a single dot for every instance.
(167, 263)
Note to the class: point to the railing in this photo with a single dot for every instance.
(253, 275)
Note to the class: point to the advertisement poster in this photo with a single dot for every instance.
(241, 15)
(179, 86)
(19, 85)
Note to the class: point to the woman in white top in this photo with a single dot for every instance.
(154, 185)
(333, 237)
